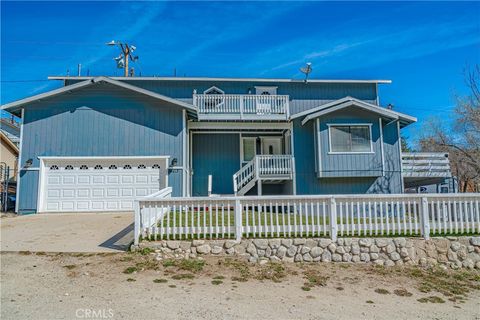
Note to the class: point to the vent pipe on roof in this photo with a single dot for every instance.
(79, 69)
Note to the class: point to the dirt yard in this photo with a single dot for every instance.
(136, 286)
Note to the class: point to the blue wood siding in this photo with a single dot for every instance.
(307, 181)
(217, 155)
(28, 191)
(303, 96)
(350, 165)
(103, 120)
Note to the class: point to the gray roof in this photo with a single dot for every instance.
(227, 79)
(90, 81)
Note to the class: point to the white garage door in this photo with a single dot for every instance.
(98, 184)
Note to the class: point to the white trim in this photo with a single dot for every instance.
(20, 163)
(184, 153)
(380, 125)
(41, 182)
(349, 125)
(228, 79)
(399, 139)
(349, 102)
(292, 151)
(92, 81)
(101, 157)
(190, 169)
(239, 125)
(319, 148)
(237, 132)
(213, 88)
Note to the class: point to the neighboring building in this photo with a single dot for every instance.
(10, 140)
(8, 158)
(98, 143)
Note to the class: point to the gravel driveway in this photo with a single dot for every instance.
(69, 232)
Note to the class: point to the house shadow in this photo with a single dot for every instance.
(120, 241)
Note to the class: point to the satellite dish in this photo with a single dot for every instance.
(111, 43)
(306, 70)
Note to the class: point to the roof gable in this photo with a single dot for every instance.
(352, 102)
(17, 104)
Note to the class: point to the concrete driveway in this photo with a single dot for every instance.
(69, 232)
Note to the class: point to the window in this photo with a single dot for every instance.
(98, 167)
(214, 98)
(83, 167)
(112, 167)
(350, 138)
(142, 166)
(249, 148)
(54, 167)
(69, 167)
(265, 91)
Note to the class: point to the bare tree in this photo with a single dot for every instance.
(461, 139)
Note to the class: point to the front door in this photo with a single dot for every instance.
(271, 145)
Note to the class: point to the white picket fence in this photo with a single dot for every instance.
(307, 216)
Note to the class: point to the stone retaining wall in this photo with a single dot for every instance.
(453, 252)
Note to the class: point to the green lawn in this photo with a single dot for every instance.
(217, 224)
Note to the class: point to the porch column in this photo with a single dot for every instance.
(259, 187)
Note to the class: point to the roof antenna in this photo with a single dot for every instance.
(306, 70)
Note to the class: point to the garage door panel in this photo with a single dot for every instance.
(98, 179)
(68, 180)
(127, 179)
(84, 179)
(113, 179)
(68, 193)
(83, 193)
(53, 180)
(112, 192)
(83, 205)
(96, 185)
(53, 193)
(141, 178)
(67, 205)
(98, 193)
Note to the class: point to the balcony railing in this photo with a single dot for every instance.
(242, 106)
(263, 167)
(426, 165)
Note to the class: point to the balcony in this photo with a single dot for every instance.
(242, 107)
(425, 168)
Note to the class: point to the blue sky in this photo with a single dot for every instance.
(423, 47)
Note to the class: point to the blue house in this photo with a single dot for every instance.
(97, 143)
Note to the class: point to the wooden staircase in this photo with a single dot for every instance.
(263, 168)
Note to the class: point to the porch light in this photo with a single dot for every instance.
(174, 162)
(28, 163)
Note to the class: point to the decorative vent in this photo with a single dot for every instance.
(83, 167)
(127, 166)
(98, 167)
(142, 166)
(69, 167)
(54, 167)
(156, 166)
(112, 167)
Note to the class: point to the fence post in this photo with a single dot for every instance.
(238, 220)
(136, 227)
(425, 219)
(333, 219)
